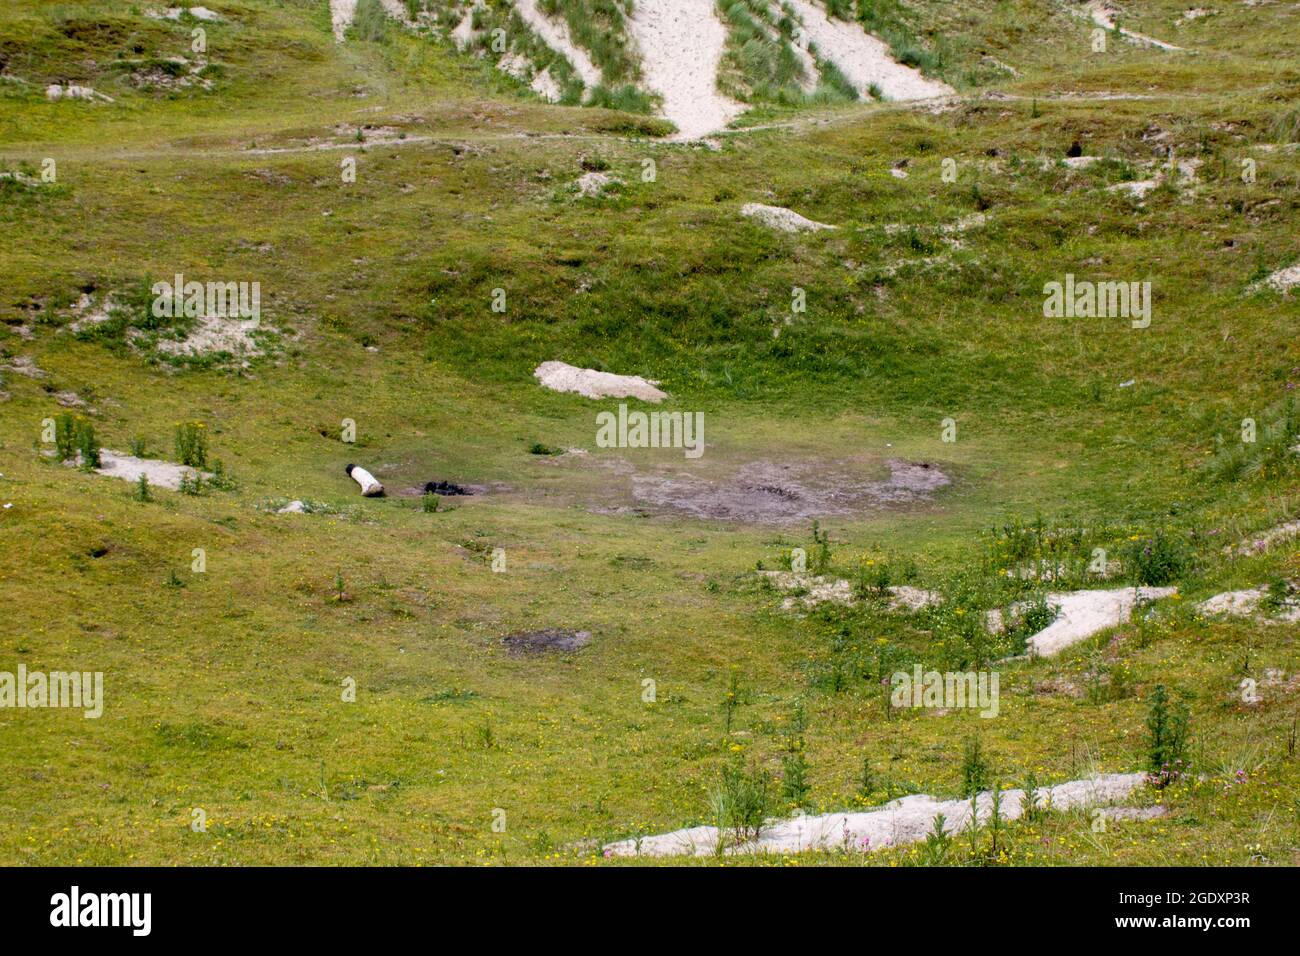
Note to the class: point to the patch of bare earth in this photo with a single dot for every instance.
(546, 639)
(771, 492)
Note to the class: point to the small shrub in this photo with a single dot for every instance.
(1158, 560)
(1168, 722)
(938, 843)
(820, 558)
(976, 774)
(1278, 596)
(221, 479)
(429, 503)
(866, 780)
(740, 804)
(370, 22)
(794, 762)
(1029, 620)
(1032, 811)
(139, 448)
(192, 444)
(732, 700)
(65, 435)
(87, 444)
(142, 488)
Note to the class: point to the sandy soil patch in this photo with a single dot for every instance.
(1103, 14)
(817, 589)
(1283, 280)
(463, 33)
(24, 365)
(1085, 613)
(1263, 542)
(341, 14)
(594, 183)
(212, 335)
(781, 219)
(1246, 603)
(198, 13)
(559, 377)
(57, 91)
(899, 822)
(161, 474)
(863, 59)
(681, 43)
(555, 34)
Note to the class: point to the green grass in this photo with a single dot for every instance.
(226, 693)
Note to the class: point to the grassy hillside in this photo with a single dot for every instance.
(224, 688)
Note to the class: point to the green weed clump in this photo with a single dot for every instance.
(74, 437)
(1262, 452)
(1168, 723)
(741, 802)
(192, 444)
(370, 23)
(794, 761)
(1159, 559)
(65, 436)
(976, 773)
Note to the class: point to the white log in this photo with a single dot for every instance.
(370, 486)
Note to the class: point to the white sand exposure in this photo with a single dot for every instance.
(905, 820)
(864, 59)
(1085, 613)
(559, 377)
(555, 33)
(1283, 280)
(341, 14)
(1246, 603)
(780, 218)
(1103, 14)
(160, 474)
(681, 44)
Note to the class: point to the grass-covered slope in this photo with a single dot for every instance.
(225, 688)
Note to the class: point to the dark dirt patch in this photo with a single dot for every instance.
(547, 639)
(783, 492)
(445, 488)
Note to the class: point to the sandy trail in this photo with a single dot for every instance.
(555, 33)
(1104, 16)
(341, 14)
(902, 821)
(681, 43)
(863, 59)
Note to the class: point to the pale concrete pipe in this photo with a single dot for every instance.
(370, 486)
